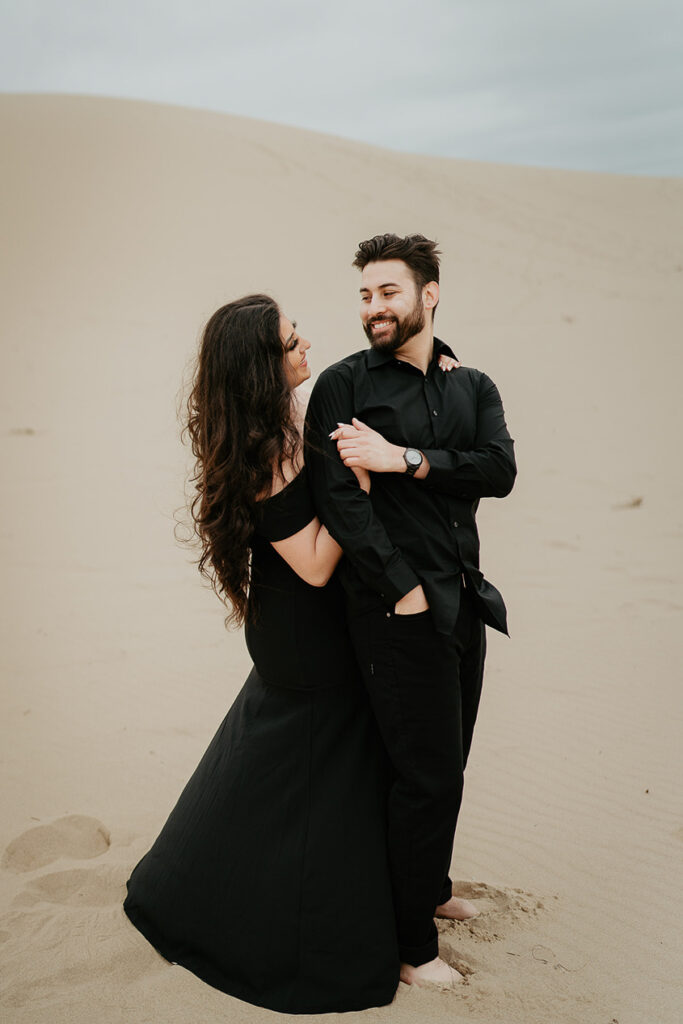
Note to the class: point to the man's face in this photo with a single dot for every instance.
(391, 308)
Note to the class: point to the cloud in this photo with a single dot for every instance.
(580, 84)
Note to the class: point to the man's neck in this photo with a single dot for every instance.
(418, 351)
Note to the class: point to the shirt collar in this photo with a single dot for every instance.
(376, 358)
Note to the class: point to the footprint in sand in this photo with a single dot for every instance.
(75, 836)
(501, 910)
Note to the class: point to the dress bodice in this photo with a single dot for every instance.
(296, 633)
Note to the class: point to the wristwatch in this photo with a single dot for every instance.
(413, 460)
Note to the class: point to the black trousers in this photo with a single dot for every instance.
(424, 688)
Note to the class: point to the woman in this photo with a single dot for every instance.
(269, 880)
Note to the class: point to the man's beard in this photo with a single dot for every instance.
(401, 331)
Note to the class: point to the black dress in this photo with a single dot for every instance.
(269, 879)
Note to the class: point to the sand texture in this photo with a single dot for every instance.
(124, 226)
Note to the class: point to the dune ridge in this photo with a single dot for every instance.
(126, 224)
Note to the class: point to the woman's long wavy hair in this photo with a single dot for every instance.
(241, 429)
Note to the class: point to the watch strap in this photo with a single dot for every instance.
(412, 468)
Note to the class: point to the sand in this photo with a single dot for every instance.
(125, 225)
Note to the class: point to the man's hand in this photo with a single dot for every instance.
(412, 603)
(360, 445)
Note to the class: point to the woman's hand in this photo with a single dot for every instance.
(447, 363)
(361, 447)
(363, 478)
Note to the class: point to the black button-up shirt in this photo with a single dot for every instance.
(409, 531)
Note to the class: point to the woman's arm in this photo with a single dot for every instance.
(311, 553)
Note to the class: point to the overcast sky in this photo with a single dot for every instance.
(585, 84)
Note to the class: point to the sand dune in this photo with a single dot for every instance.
(125, 225)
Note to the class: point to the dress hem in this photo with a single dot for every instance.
(203, 970)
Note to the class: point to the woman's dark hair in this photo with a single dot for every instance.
(420, 254)
(241, 430)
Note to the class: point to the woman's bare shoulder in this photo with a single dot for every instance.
(283, 477)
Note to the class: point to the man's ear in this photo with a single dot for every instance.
(430, 295)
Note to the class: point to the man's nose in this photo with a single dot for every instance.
(377, 305)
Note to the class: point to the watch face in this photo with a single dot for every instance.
(412, 457)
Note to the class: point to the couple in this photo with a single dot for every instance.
(306, 858)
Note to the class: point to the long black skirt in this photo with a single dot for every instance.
(269, 879)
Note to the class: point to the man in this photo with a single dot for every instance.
(417, 602)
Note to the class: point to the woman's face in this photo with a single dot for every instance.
(296, 366)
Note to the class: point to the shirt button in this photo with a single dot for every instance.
(456, 523)
(435, 412)
(388, 615)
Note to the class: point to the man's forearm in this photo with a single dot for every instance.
(396, 462)
(488, 469)
(489, 472)
(351, 521)
(485, 473)
(345, 509)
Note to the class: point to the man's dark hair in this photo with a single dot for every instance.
(418, 252)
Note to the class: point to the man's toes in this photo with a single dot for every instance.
(457, 909)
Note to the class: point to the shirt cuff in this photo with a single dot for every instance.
(441, 465)
(396, 582)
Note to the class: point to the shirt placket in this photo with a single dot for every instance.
(433, 406)
(434, 399)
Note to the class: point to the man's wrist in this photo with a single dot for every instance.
(422, 472)
(413, 459)
(401, 466)
(399, 462)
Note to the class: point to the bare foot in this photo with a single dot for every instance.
(456, 909)
(436, 972)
